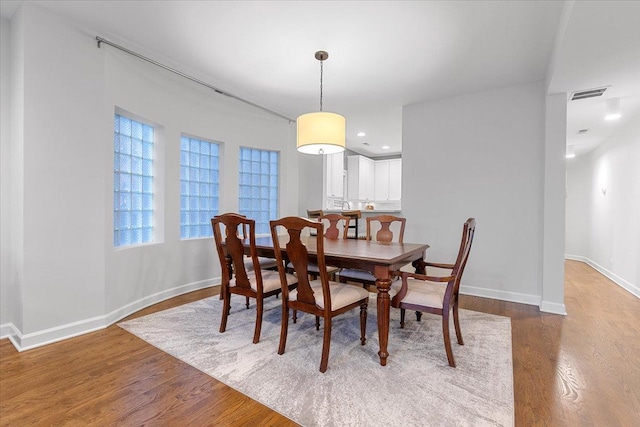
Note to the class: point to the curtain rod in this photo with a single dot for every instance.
(193, 79)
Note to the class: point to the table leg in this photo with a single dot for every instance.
(384, 305)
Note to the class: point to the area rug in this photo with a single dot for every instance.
(416, 388)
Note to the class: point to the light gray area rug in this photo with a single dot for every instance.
(416, 388)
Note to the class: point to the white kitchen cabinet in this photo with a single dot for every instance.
(360, 176)
(395, 179)
(381, 191)
(388, 179)
(334, 171)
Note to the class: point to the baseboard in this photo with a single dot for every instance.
(575, 258)
(500, 295)
(7, 330)
(629, 287)
(553, 308)
(48, 336)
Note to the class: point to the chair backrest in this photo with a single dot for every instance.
(336, 226)
(384, 223)
(468, 231)
(298, 255)
(229, 231)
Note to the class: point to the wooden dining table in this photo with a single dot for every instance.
(381, 259)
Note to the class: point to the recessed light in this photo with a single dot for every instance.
(361, 134)
(612, 109)
(385, 147)
(571, 152)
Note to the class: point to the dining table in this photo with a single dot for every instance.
(381, 259)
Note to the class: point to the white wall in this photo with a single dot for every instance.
(603, 208)
(73, 279)
(5, 172)
(311, 183)
(480, 155)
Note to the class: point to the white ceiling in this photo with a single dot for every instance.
(382, 55)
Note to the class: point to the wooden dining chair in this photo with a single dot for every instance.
(436, 291)
(379, 228)
(236, 278)
(336, 227)
(320, 297)
(265, 263)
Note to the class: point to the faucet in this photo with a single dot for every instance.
(348, 204)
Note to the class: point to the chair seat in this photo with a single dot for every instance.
(421, 292)
(270, 280)
(313, 268)
(360, 275)
(265, 263)
(341, 294)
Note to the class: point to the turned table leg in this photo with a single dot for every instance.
(384, 305)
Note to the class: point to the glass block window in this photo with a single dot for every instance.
(259, 186)
(132, 182)
(199, 180)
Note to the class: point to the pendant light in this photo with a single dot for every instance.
(321, 132)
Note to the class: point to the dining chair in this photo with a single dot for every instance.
(336, 226)
(321, 297)
(265, 263)
(436, 291)
(314, 214)
(380, 228)
(236, 278)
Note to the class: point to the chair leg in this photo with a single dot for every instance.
(326, 342)
(402, 313)
(247, 298)
(456, 322)
(447, 340)
(317, 323)
(226, 307)
(418, 316)
(363, 322)
(284, 327)
(259, 309)
(295, 316)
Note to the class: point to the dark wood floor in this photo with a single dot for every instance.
(578, 370)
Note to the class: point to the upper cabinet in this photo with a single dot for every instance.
(334, 174)
(360, 174)
(388, 179)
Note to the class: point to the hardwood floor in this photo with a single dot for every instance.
(577, 370)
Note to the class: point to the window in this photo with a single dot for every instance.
(132, 182)
(259, 186)
(199, 166)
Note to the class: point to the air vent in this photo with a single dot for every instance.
(366, 143)
(582, 131)
(589, 93)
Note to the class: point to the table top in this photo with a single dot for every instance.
(354, 251)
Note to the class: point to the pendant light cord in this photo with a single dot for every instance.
(321, 70)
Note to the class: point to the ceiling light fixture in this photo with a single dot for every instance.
(385, 147)
(321, 132)
(571, 152)
(612, 108)
(361, 134)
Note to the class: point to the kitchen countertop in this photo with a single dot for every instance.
(363, 211)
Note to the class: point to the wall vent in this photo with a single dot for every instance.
(589, 93)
